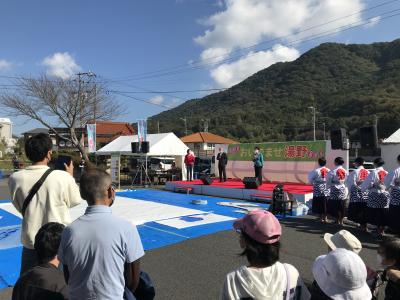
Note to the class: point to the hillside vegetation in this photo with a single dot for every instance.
(347, 84)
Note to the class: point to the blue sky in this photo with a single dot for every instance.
(121, 39)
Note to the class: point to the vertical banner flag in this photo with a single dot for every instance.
(142, 131)
(91, 134)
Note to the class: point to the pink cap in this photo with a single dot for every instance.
(261, 226)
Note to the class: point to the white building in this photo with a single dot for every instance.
(6, 133)
(5, 128)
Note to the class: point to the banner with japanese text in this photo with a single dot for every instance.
(281, 151)
(142, 130)
(91, 136)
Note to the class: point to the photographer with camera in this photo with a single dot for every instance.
(41, 194)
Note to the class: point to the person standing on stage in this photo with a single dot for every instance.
(338, 192)
(189, 162)
(258, 160)
(222, 158)
(392, 183)
(378, 197)
(318, 178)
(358, 199)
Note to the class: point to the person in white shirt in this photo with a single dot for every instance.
(378, 197)
(264, 277)
(100, 252)
(358, 199)
(338, 191)
(318, 178)
(51, 203)
(392, 183)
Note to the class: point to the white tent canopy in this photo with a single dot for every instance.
(390, 149)
(161, 144)
(394, 138)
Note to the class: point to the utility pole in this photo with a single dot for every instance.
(158, 126)
(313, 112)
(205, 124)
(324, 131)
(376, 130)
(80, 99)
(185, 121)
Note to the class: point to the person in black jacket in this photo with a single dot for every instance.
(45, 281)
(389, 259)
(222, 158)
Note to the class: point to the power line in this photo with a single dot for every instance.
(201, 62)
(170, 92)
(142, 100)
(299, 41)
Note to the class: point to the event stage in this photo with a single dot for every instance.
(234, 188)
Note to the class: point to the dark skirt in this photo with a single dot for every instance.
(319, 205)
(335, 207)
(356, 212)
(376, 216)
(394, 218)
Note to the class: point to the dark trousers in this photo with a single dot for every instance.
(222, 172)
(189, 170)
(28, 260)
(258, 173)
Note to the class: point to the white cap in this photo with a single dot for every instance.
(342, 275)
(343, 239)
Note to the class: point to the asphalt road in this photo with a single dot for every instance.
(195, 269)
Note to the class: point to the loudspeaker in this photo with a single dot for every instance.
(368, 137)
(251, 182)
(145, 147)
(338, 139)
(135, 147)
(206, 179)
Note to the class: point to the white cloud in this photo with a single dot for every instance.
(5, 65)
(227, 75)
(243, 23)
(214, 55)
(157, 99)
(61, 65)
(372, 22)
(246, 22)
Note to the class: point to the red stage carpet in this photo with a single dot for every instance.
(293, 188)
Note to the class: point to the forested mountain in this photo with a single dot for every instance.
(348, 85)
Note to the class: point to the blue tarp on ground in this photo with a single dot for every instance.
(153, 235)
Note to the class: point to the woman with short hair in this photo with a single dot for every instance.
(338, 191)
(264, 277)
(358, 199)
(378, 197)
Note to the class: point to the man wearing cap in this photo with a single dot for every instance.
(340, 275)
(264, 277)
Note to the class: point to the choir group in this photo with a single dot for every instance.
(374, 195)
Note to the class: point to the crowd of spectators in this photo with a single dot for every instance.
(97, 256)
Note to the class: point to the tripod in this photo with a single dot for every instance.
(142, 169)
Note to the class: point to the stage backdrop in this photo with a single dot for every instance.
(283, 162)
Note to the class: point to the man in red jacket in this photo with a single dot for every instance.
(189, 162)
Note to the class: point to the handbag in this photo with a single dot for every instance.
(144, 291)
(34, 190)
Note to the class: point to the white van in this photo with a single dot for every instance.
(161, 163)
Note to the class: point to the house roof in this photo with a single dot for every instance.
(37, 131)
(394, 138)
(207, 137)
(114, 128)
